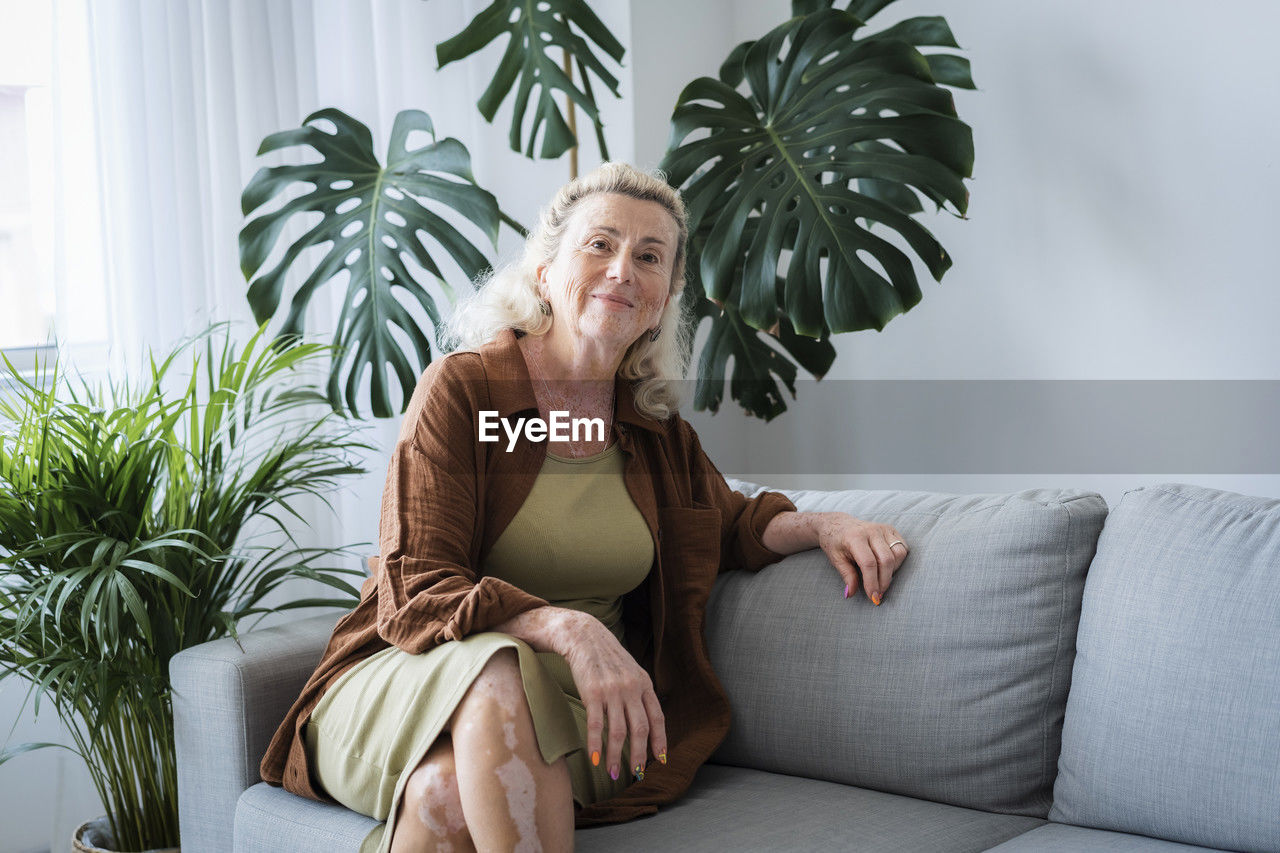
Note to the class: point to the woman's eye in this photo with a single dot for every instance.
(599, 244)
(649, 258)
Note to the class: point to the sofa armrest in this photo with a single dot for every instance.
(228, 700)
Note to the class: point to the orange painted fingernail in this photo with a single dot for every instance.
(595, 758)
(876, 599)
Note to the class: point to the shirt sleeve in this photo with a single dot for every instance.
(742, 520)
(428, 592)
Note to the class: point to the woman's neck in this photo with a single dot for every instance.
(584, 388)
(562, 358)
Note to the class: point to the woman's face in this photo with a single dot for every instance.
(611, 276)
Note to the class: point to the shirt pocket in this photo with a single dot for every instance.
(689, 539)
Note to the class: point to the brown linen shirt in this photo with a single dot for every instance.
(449, 496)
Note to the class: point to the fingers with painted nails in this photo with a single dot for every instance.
(865, 554)
(618, 694)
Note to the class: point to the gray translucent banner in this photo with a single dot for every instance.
(1004, 427)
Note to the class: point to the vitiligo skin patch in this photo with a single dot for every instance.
(522, 802)
(514, 775)
(442, 814)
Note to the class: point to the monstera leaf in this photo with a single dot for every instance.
(755, 363)
(947, 68)
(372, 216)
(758, 365)
(779, 171)
(534, 29)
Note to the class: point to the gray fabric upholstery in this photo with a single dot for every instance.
(732, 808)
(949, 695)
(1061, 838)
(728, 808)
(952, 690)
(228, 699)
(1173, 725)
(271, 820)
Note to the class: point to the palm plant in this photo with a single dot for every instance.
(132, 523)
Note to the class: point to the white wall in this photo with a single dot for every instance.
(1117, 230)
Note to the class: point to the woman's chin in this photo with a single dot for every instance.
(610, 335)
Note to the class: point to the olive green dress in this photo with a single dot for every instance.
(578, 541)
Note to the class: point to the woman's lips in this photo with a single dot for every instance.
(608, 297)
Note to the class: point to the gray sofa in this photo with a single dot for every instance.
(1042, 676)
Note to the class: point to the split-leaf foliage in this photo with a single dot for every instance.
(804, 164)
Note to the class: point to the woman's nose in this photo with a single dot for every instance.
(620, 268)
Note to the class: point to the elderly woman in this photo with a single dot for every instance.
(527, 655)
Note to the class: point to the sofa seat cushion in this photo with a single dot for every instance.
(271, 820)
(1173, 724)
(1063, 838)
(953, 689)
(728, 808)
(733, 808)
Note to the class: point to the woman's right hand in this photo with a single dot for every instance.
(616, 689)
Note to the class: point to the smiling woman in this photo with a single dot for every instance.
(593, 217)
(611, 281)
(532, 631)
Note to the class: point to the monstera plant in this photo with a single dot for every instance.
(535, 29)
(803, 165)
(834, 129)
(372, 216)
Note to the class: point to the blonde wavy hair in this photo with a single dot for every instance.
(509, 298)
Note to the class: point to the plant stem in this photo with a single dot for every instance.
(516, 226)
(573, 117)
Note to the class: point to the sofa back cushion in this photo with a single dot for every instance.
(1173, 724)
(953, 689)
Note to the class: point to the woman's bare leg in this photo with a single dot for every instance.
(430, 816)
(512, 799)
(488, 769)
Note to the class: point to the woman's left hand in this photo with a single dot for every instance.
(862, 552)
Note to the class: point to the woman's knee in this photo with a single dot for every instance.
(431, 798)
(499, 685)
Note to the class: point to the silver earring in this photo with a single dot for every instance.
(545, 307)
(653, 333)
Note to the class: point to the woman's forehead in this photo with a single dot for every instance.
(624, 215)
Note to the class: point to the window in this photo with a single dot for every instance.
(26, 315)
(49, 197)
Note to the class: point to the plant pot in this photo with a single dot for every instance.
(95, 837)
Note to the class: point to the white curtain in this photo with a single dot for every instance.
(183, 94)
